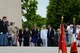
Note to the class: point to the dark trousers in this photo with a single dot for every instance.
(9, 41)
(20, 42)
(26, 42)
(50, 42)
(3, 40)
(39, 42)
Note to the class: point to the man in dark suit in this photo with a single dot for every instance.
(50, 36)
(3, 31)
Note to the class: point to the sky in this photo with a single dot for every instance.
(42, 7)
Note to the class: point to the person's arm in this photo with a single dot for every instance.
(29, 33)
(52, 33)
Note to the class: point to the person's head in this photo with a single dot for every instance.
(0, 19)
(71, 26)
(35, 27)
(7, 23)
(58, 30)
(16, 27)
(20, 30)
(11, 23)
(49, 26)
(77, 26)
(44, 26)
(27, 29)
(4, 18)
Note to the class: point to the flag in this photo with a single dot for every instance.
(62, 42)
(73, 42)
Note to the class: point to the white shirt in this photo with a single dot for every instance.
(43, 34)
(70, 30)
(77, 31)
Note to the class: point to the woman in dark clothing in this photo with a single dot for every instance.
(35, 36)
(26, 35)
(20, 35)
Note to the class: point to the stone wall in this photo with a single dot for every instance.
(11, 9)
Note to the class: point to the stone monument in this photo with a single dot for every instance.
(12, 10)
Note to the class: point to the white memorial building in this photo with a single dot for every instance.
(12, 10)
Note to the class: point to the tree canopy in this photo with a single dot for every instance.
(30, 6)
(68, 8)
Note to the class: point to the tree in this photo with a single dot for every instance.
(68, 8)
(30, 6)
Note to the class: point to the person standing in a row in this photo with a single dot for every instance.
(35, 35)
(50, 36)
(20, 36)
(26, 36)
(78, 35)
(43, 35)
(12, 32)
(3, 31)
(69, 31)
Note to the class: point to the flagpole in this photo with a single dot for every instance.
(62, 19)
(61, 23)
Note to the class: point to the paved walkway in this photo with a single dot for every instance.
(31, 50)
